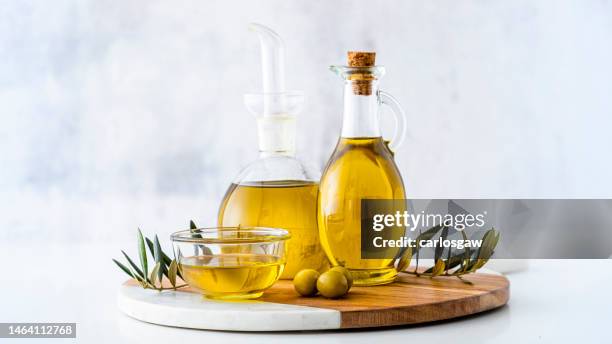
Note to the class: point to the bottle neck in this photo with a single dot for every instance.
(360, 117)
(276, 135)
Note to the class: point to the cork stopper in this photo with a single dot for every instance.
(361, 59)
(362, 82)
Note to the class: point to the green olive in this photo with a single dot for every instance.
(346, 273)
(305, 282)
(332, 284)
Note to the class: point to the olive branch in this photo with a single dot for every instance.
(163, 267)
(455, 264)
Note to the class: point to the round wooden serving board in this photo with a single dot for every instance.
(409, 300)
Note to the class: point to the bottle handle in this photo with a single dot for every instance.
(399, 115)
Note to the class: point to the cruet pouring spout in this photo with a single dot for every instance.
(272, 58)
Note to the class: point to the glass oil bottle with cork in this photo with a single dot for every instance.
(277, 190)
(361, 167)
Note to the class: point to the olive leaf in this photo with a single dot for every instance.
(134, 266)
(193, 228)
(438, 268)
(405, 259)
(142, 253)
(155, 275)
(156, 250)
(440, 248)
(158, 257)
(194, 234)
(485, 251)
(496, 240)
(466, 253)
(172, 270)
(128, 271)
(489, 248)
(488, 244)
(124, 268)
(165, 259)
(470, 265)
(454, 261)
(476, 264)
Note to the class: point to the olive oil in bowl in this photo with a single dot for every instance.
(229, 262)
(232, 276)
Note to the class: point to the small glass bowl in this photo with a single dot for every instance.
(230, 262)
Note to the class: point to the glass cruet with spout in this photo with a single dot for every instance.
(277, 190)
(361, 167)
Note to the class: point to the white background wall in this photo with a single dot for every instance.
(118, 114)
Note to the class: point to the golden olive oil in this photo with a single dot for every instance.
(360, 168)
(290, 205)
(232, 276)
